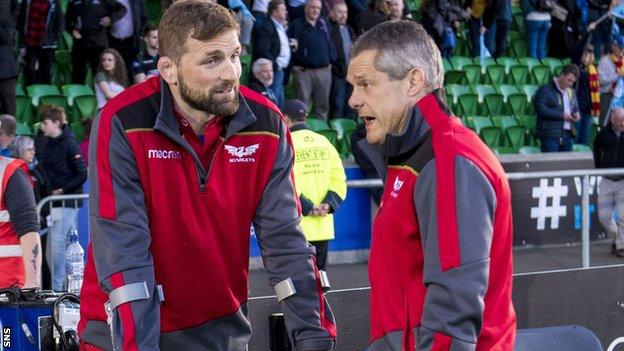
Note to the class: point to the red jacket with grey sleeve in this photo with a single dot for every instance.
(440, 264)
(164, 226)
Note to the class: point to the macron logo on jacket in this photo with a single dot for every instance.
(164, 154)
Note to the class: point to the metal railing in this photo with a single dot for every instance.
(584, 173)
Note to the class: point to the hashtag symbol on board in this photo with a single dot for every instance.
(543, 210)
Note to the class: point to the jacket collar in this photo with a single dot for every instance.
(299, 126)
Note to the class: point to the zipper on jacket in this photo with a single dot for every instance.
(202, 184)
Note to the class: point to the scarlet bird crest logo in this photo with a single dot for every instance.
(241, 153)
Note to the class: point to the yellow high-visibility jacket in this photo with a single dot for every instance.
(319, 178)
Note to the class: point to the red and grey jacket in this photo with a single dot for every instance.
(440, 264)
(164, 226)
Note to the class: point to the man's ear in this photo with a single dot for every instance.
(168, 70)
(416, 79)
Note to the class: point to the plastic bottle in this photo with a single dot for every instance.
(74, 257)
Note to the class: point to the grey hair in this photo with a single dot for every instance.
(8, 124)
(255, 67)
(20, 144)
(402, 46)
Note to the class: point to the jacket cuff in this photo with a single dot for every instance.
(324, 344)
(334, 201)
(306, 205)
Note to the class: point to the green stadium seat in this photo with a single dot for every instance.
(19, 90)
(23, 129)
(473, 73)
(528, 121)
(73, 90)
(492, 102)
(553, 63)
(507, 62)
(447, 64)
(530, 62)
(595, 128)
(581, 148)
(62, 71)
(487, 62)
(78, 130)
(67, 40)
(317, 124)
(526, 150)
(489, 133)
(566, 61)
(514, 134)
(36, 91)
(56, 100)
(85, 106)
(530, 90)
(517, 22)
(23, 109)
(518, 74)
(495, 74)
(541, 74)
(515, 100)
(458, 62)
(455, 77)
(519, 48)
(463, 46)
(331, 135)
(246, 68)
(342, 126)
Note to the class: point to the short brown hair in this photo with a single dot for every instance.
(197, 19)
(571, 69)
(53, 113)
(273, 5)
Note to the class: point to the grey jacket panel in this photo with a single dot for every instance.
(455, 298)
(223, 334)
(128, 233)
(390, 342)
(287, 254)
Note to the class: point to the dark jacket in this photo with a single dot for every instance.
(8, 66)
(315, 48)
(583, 93)
(62, 160)
(55, 21)
(564, 35)
(609, 150)
(139, 18)
(265, 40)
(437, 15)
(339, 67)
(85, 16)
(549, 110)
(491, 11)
(258, 87)
(369, 18)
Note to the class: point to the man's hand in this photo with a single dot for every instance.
(320, 210)
(576, 116)
(482, 30)
(57, 192)
(105, 21)
(76, 34)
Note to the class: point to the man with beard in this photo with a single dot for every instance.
(182, 165)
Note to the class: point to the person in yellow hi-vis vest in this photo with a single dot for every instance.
(319, 178)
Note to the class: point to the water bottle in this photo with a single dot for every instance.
(74, 257)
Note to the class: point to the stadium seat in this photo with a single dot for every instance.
(56, 100)
(36, 91)
(455, 77)
(513, 133)
(85, 106)
(530, 90)
(518, 74)
(564, 338)
(73, 90)
(246, 68)
(515, 100)
(342, 126)
(489, 133)
(458, 62)
(331, 135)
(526, 150)
(67, 40)
(492, 102)
(317, 124)
(62, 70)
(23, 129)
(487, 62)
(530, 62)
(19, 90)
(78, 130)
(463, 47)
(553, 63)
(447, 64)
(517, 22)
(541, 74)
(528, 121)
(473, 73)
(519, 48)
(507, 62)
(495, 74)
(581, 148)
(23, 109)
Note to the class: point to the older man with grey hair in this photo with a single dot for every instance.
(262, 70)
(8, 128)
(441, 259)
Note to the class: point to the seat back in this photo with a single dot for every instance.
(563, 338)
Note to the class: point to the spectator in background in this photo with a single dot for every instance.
(20, 261)
(125, 34)
(262, 70)
(565, 31)
(260, 7)
(556, 108)
(40, 24)
(88, 23)
(343, 36)
(312, 59)
(588, 95)
(537, 26)
(62, 161)
(610, 69)
(8, 127)
(111, 78)
(602, 35)
(497, 35)
(271, 42)
(84, 144)
(609, 153)
(483, 15)
(441, 18)
(245, 21)
(145, 64)
(8, 66)
(380, 11)
(320, 179)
